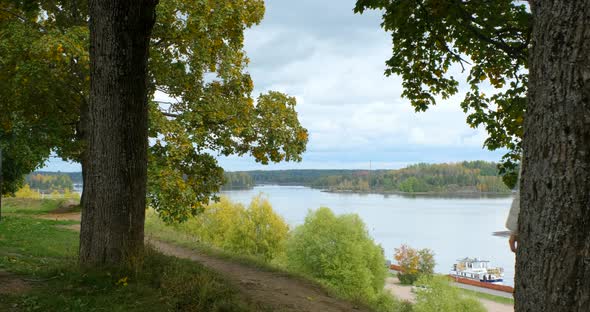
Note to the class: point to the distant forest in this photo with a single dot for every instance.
(465, 177)
(49, 181)
(237, 181)
(76, 177)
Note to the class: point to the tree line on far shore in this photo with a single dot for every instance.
(49, 181)
(464, 177)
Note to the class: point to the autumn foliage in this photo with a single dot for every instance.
(414, 263)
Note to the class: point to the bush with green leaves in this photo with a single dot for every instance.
(438, 295)
(254, 231)
(258, 231)
(338, 251)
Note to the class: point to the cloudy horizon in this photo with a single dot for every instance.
(333, 62)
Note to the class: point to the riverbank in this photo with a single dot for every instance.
(490, 303)
(41, 274)
(465, 194)
(43, 213)
(452, 228)
(458, 194)
(497, 293)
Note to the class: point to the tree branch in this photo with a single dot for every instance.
(170, 114)
(516, 52)
(23, 19)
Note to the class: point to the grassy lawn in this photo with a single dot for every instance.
(481, 295)
(31, 246)
(29, 206)
(42, 255)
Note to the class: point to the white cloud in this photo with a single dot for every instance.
(333, 61)
(335, 68)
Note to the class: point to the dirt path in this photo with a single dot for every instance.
(275, 290)
(399, 291)
(405, 293)
(12, 284)
(492, 306)
(69, 216)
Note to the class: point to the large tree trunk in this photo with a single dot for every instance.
(83, 136)
(553, 258)
(116, 163)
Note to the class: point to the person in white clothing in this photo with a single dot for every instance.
(512, 222)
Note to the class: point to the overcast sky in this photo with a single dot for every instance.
(333, 61)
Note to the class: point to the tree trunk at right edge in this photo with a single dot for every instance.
(553, 257)
(116, 155)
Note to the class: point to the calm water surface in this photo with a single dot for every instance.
(452, 227)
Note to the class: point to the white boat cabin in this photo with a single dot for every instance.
(477, 269)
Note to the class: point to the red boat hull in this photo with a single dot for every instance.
(471, 282)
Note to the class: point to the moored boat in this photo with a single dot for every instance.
(478, 270)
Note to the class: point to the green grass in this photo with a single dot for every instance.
(29, 206)
(44, 255)
(481, 295)
(29, 246)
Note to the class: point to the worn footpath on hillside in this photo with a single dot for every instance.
(275, 290)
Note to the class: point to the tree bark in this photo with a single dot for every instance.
(1, 183)
(82, 136)
(553, 257)
(116, 164)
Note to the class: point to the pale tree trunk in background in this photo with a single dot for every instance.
(83, 136)
(553, 258)
(116, 155)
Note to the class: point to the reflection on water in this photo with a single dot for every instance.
(453, 227)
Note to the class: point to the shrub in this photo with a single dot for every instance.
(27, 192)
(259, 231)
(68, 194)
(440, 296)
(385, 302)
(338, 251)
(414, 263)
(214, 226)
(254, 231)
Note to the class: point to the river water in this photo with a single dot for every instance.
(452, 227)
